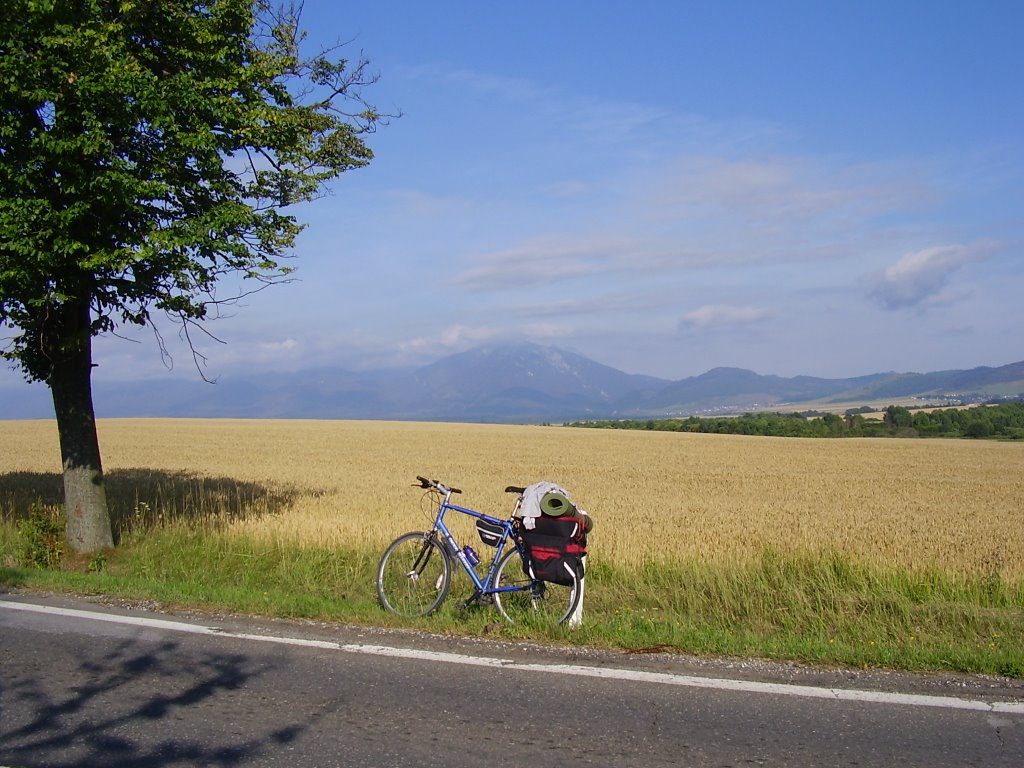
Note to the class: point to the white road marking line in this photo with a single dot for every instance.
(171, 626)
(174, 626)
(608, 673)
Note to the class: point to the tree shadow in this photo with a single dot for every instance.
(136, 705)
(145, 498)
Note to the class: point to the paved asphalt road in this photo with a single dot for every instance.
(169, 690)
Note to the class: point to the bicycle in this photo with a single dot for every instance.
(415, 571)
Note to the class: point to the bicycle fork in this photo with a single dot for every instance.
(421, 563)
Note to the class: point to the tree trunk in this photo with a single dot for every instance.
(85, 496)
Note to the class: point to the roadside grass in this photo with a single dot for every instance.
(816, 609)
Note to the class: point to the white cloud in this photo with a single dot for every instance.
(785, 199)
(459, 338)
(705, 212)
(478, 81)
(920, 277)
(543, 260)
(713, 316)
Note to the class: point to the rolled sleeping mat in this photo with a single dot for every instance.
(556, 505)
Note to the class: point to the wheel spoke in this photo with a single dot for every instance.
(413, 575)
(533, 602)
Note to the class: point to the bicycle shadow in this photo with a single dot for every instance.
(134, 706)
(144, 498)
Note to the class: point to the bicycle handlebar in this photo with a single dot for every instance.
(437, 485)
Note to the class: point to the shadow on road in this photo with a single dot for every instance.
(136, 707)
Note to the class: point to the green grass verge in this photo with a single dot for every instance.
(824, 610)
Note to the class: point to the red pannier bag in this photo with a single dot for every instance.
(555, 546)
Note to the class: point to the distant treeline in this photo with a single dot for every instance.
(1004, 421)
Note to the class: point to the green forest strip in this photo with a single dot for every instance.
(1004, 421)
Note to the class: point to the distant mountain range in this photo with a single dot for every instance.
(523, 383)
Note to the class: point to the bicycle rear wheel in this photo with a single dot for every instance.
(414, 575)
(533, 602)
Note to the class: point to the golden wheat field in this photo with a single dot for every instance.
(956, 505)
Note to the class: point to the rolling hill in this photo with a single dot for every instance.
(523, 383)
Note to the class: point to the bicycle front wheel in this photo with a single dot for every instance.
(533, 602)
(414, 575)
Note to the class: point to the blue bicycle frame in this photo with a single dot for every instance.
(483, 586)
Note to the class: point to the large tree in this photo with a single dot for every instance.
(148, 150)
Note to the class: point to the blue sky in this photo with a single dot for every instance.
(822, 188)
